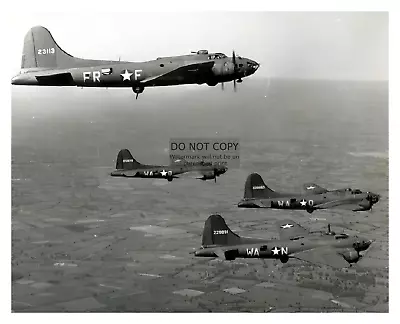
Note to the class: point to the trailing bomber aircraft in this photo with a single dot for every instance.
(127, 166)
(295, 242)
(44, 63)
(258, 195)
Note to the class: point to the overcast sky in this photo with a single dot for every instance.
(327, 45)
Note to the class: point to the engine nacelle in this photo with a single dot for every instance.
(224, 69)
(284, 258)
(208, 177)
(351, 256)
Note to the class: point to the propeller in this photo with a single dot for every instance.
(234, 69)
(329, 230)
(215, 175)
(235, 72)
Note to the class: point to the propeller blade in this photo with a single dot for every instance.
(235, 69)
(222, 86)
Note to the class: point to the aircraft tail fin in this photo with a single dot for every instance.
(41, 51)
(216, 232)
(256, 188)
(126, 161)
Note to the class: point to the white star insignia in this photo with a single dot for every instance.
(287, 226)
(303, 202)
(126, 75)
(275, 250)
(163, 173)
(310, 187)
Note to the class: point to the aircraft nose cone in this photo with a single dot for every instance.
(363, 245)
(373, 198)
(256, 66)
(366, 244)
(251, 67)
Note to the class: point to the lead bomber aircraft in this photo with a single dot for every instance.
(44, 63)
(127, 166)
(258, 195)
(295, 241)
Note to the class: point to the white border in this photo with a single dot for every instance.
(16, 13)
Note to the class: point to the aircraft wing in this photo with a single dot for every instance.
(185, 71)
(326, 255)
(288, 229)
(343, 204)
(194, 174)
(314, 189)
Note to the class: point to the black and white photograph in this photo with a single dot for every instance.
(220, 161)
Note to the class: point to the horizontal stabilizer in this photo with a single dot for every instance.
(60, 79)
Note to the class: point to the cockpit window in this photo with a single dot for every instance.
(341, 236)
(216, 56)
(356, 191)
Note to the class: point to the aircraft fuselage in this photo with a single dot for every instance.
(358, 202)
(163, 172)
(283, 249)
(131, 74)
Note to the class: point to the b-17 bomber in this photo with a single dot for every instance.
(44, 63)
(127, 166)
(258, 195)
(325, 248)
